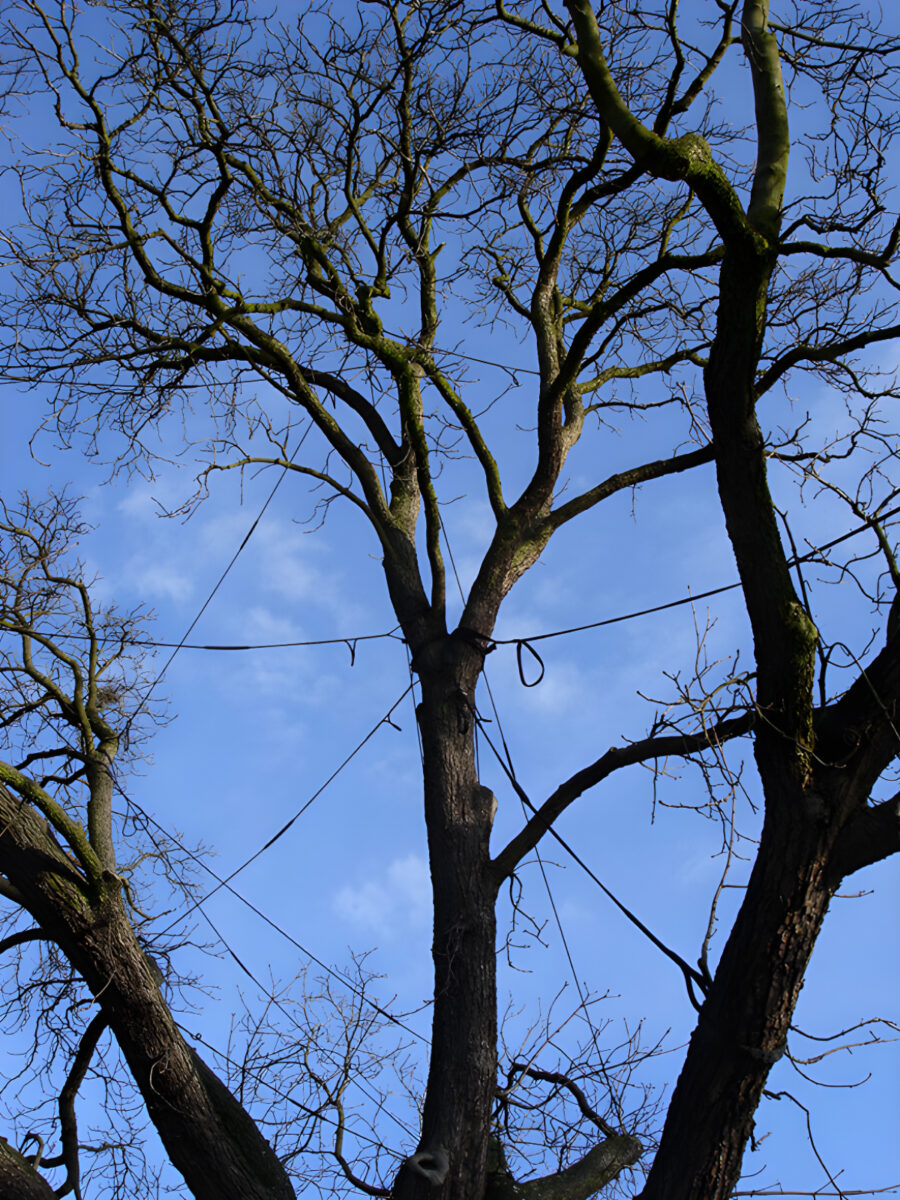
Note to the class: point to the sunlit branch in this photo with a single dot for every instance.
(72, 831)
(629, 479)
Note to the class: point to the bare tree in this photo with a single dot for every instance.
(61, 864)
(305, 206)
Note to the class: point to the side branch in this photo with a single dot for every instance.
(855, 254)
(606, 309)
(857, 735)
(830, 352)
(68, 1123)
(471, 429)
(22, 938)
(287, 464)
(595, 1170)
(870, 836)
(688, 157)
(562, 1081)
(613, 760)
(626, 479)
(363, 408)
(578, 1181)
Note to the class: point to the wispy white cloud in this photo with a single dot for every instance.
(160, 581)
(389, 905)
(263, 624)
(148, 500)
(292, 566)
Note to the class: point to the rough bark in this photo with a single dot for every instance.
(742, 1027)
(18, 1178)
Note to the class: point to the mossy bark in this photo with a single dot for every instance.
(208, 1136)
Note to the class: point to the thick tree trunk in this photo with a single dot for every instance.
(208, 1136)
(743, 1026)
(463, 1067)
(18, 1178)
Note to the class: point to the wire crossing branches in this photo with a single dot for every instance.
(532, 260)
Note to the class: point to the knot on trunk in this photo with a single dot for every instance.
(430, 1164)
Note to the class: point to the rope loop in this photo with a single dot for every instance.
(521, 645)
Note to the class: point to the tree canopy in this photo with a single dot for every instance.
(526, 260)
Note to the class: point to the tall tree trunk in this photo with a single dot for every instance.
(742, 1028)
(463, 1067)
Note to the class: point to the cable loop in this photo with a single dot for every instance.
(522, 644)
